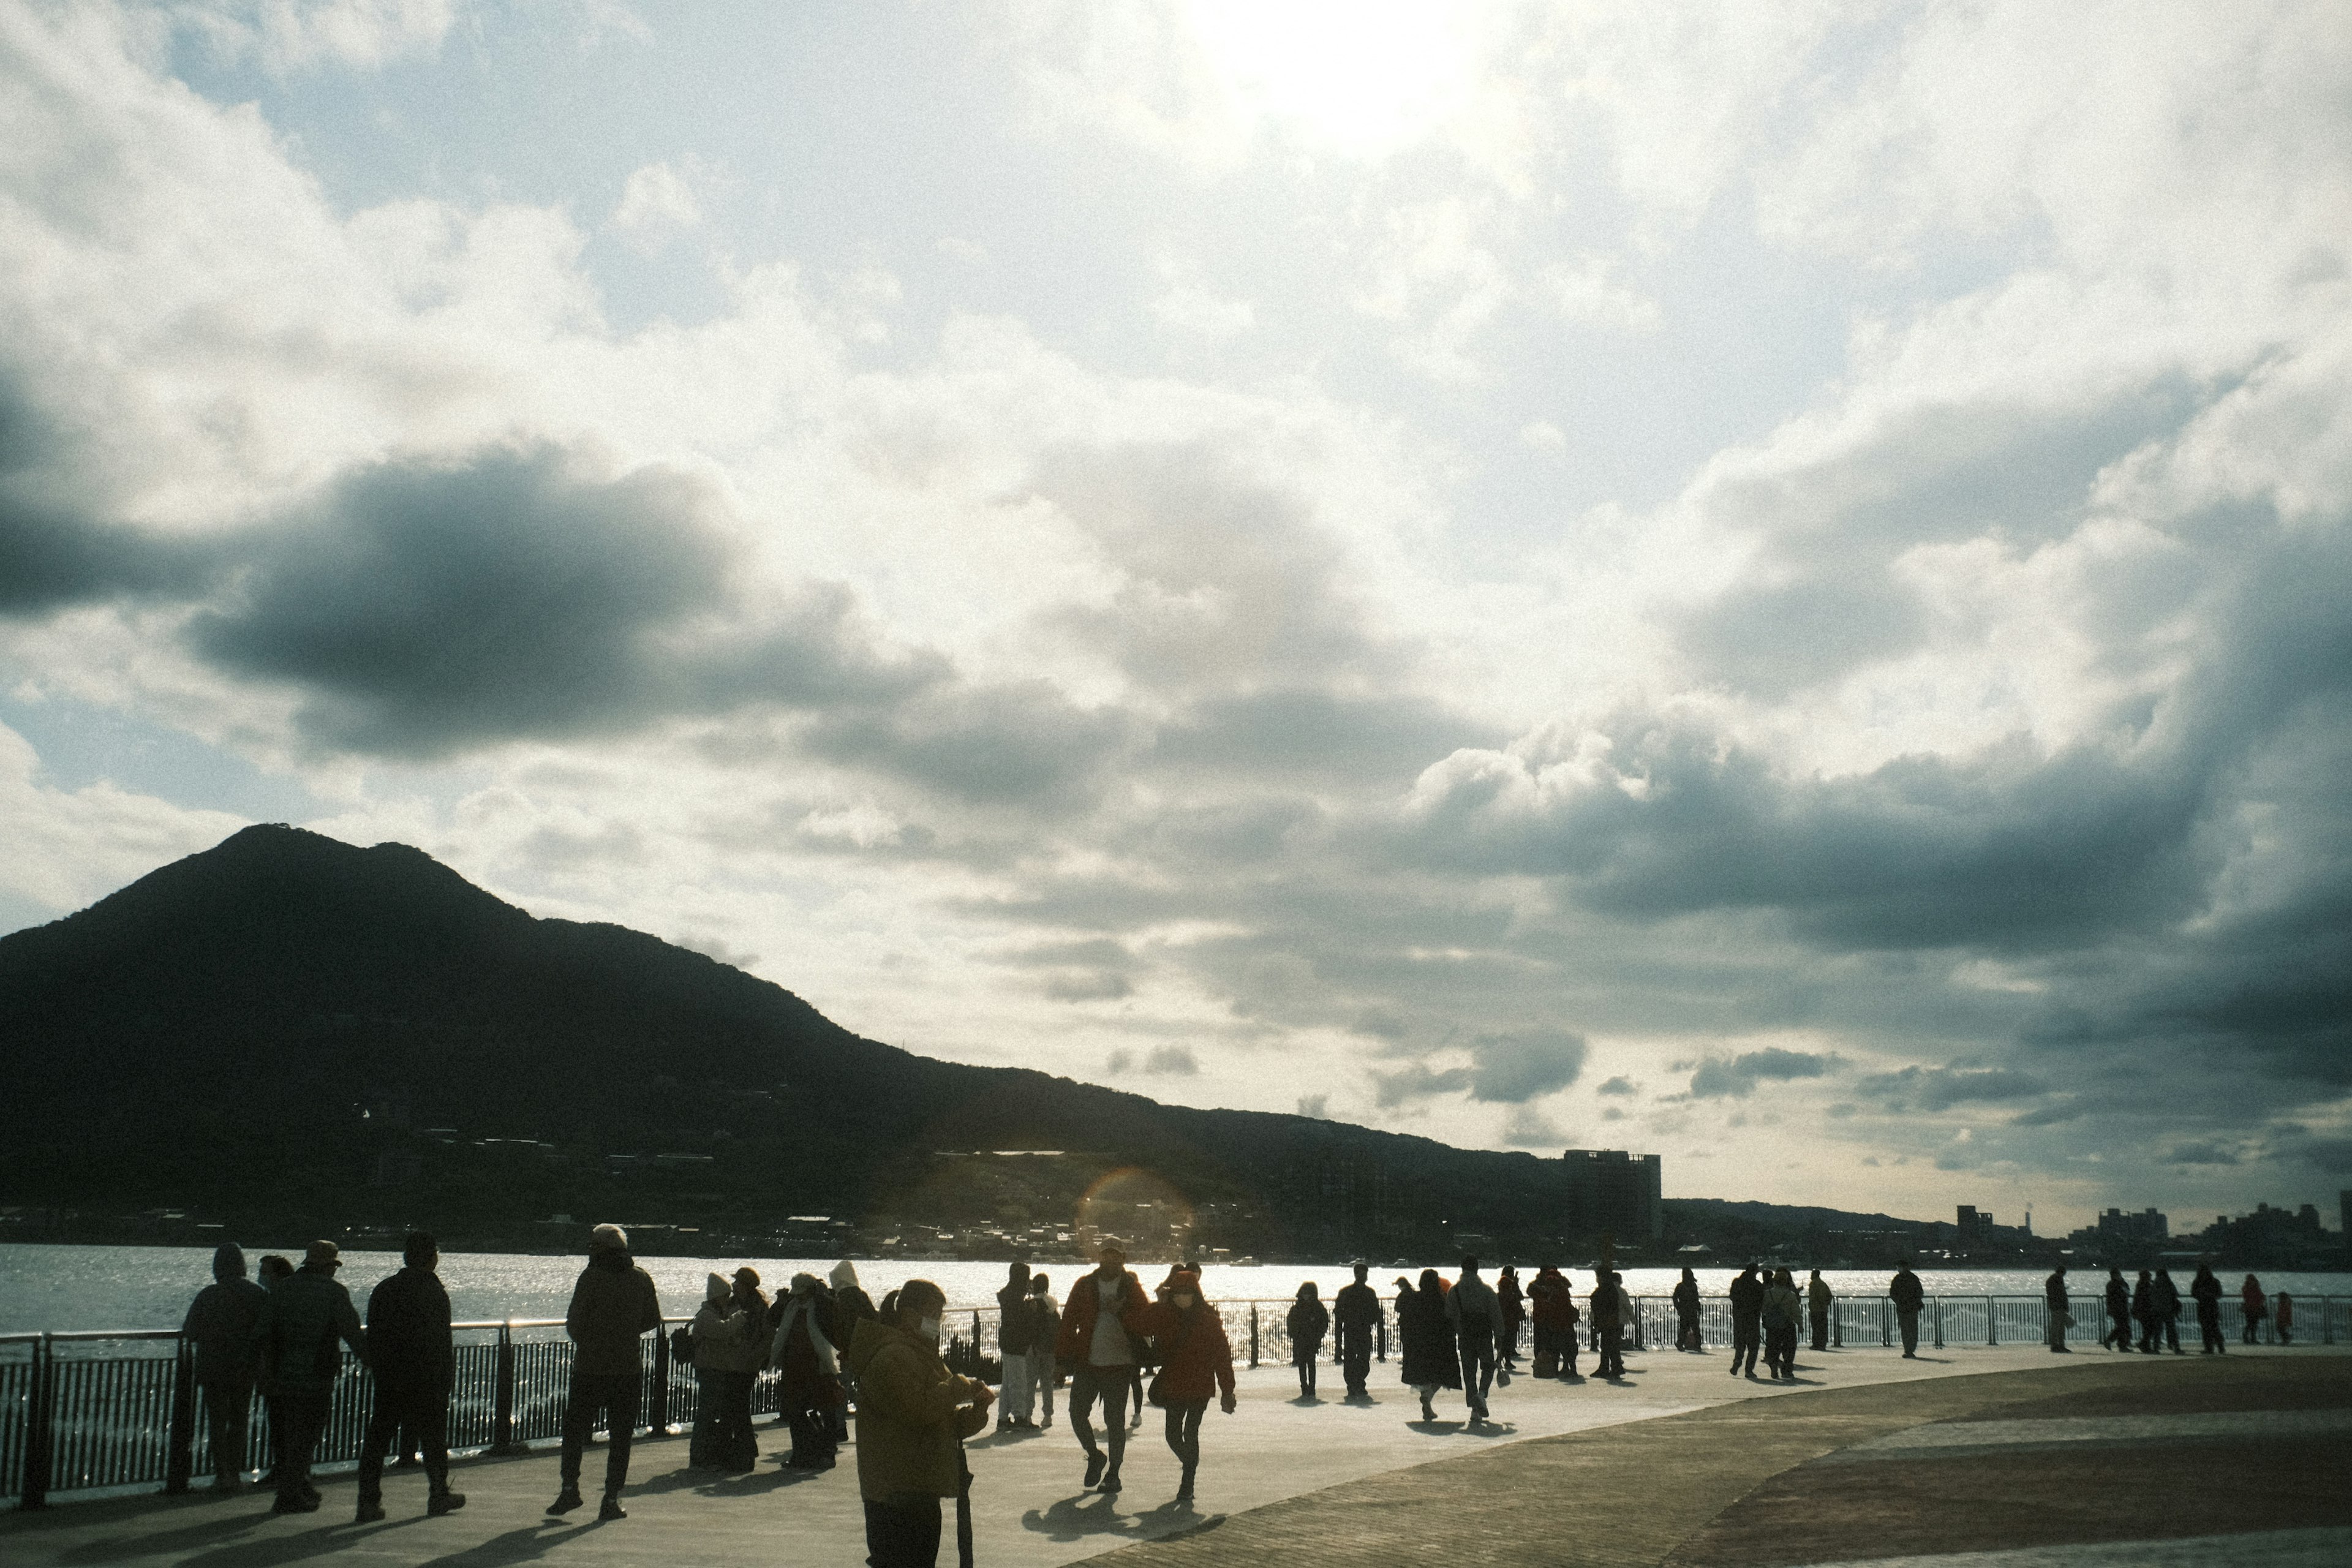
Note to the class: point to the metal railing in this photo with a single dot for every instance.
(91, 1411)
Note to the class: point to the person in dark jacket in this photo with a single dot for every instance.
(2147, 1313)
(2168, 1307)
(2256, 1307)
(1196, 1363)
(272, 1271)
(2057, 1315)
(808, 1372)
(416, 1364)
(2118, 1293)
(613, 1306)
(1308, 1322)
(303, 1329)
(1431, 1358)
(1747, 1321)
(223, 1325)
(1608, 1325)
(2206, 1289)
(1908, 1296)
(1686, 1314)
(1357, 1320)
(1049, 1330)
(1016, 1334)
(2283, 1316)
(1515, 1313)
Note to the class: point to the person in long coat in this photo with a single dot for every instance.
(2256, 1307)
(1553, 1306)
(1515, 1312)
(2206, 1289)
(1431, 1359)
(1308, 1322)
(808, 1372)
(2143, 1308)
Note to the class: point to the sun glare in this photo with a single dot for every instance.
(1362, 79)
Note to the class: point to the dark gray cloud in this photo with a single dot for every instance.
(2200, 1154)
(1736, 1077)
(425, 606)
(1939, 1089)
(1506, 1067)
(1019, 744)
(1618, 1085)
(1310, 731)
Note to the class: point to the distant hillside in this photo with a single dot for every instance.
(288, 1028)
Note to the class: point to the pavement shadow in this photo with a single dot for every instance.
(1306, 1399)
(525, 1545)
(1077, 1518)
(1438, 1428)
(1012, 1439)
(167, 1544)
(314, 1543)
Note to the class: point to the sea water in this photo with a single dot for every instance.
(59, 1287)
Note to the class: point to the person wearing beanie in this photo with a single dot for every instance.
(222, 1324)
(729, 1338)
(309, 1312)
(612, 1307)
(1195, 1363)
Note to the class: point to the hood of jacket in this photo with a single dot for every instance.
(717, 1291)
(844, 1275)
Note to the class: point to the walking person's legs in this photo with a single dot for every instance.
(1184, 1440)
(903, 1532)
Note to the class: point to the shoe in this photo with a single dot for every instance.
(448, 1502)
(1045, 1425)
(1184, 1487)
(369, 1514)
(310, 1494)
(566, 1500)
(1428, 1410)
(610, 1509)
(295, 1504)
(1095, 1463)
(1109, 1487)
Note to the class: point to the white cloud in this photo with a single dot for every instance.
(656, 198)
(289, 36)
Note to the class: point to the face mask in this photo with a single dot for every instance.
(929, 1327)
(1184, 1303)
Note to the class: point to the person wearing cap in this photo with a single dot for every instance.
(1355, 1320)
(1196, 1363)
(613, 1306)
(222, 1324)
(309, 1317)
(1095, 1342)
(415, 1365)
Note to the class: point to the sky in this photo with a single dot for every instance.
(1766, 585)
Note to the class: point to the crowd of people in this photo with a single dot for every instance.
(1117, 1346)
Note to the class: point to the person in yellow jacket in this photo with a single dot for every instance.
(913, 1414)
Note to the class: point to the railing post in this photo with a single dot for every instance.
(39, 1427)
(181, 1459)
(502, 1396)
(658, 1416)
(1253, 1336)
(2327, 1319)
(1992, 1323)
(1940, 1323)
(1382, 1353)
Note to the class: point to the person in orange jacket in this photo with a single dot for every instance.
(1196, 1361)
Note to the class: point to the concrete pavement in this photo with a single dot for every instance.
(1649, 1469)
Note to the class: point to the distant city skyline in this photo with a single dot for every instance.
(1764, 586)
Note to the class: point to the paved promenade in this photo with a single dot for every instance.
(1867, 1457)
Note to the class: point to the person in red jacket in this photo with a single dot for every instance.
(1092, 1340)
(1195, 1362)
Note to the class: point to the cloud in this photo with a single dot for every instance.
(421, 608)
(1505, 1067)
(1738, 1076)
(1528, 1128)
(1618, 1085)
(1317, 1106)
(2200, 1154)
(1173, 1060)
(287, 36)
(1938, 1088)
(656, 198)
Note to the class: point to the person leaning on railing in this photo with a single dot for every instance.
(222, 1325)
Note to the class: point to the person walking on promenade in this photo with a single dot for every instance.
(2167, 1307)
(1608, 1327)
(1308, 1322)
(1908, 1296)
(1783, 1308)
(2205, 1290)
(808, 1372)
(2057, 1316)
(308, 1313)
(723, 1337)
(1015, 1333)
(1431, 1358)
(1818, 1298)
(1475, 1317)
(1096, 1343)
(2255, 1307)
(1515, 1312)
(1357, 1320)
(2145, 1310)
(1049, 1329)
(913, 1416)
(1196, 1363)
(1686, 1314)
(1551, 1306)
(224, 1324)
(1747, 1321)
(2119, 1311)
(416, 1364)
(2283, 1308)
(613, 1305)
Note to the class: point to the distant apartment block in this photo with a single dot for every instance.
(2146, 1227)
(1610, 1190)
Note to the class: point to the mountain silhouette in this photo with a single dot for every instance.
(285, 1029)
